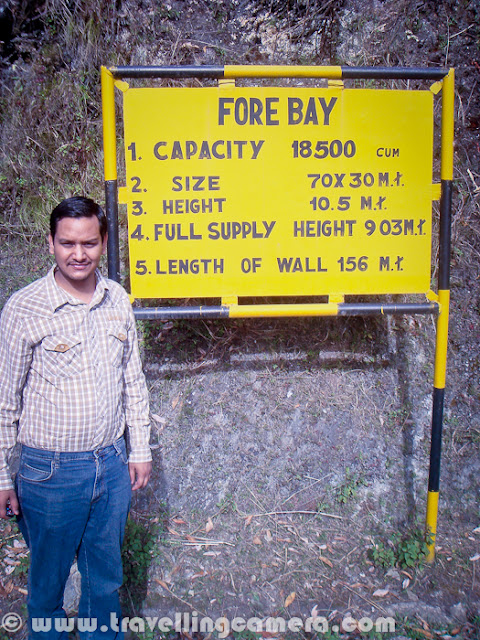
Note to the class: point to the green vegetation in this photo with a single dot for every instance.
(137, 552)
(349, 488)
(405, 550)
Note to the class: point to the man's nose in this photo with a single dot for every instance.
(79, 253)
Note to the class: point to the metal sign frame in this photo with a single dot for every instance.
(437, 303)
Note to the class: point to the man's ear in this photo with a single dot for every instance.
(50, 244)
(104, 243)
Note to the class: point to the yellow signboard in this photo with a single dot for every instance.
(278, 191)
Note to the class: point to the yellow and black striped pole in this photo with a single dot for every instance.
(448, 95)
(110, 166)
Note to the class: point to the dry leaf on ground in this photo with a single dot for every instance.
(289, 599)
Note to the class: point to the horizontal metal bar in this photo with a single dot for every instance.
(265, 71)
(283, 310)
(170, 313)
(168, 72)
(394, 73)
(282, 71)
(369, 308)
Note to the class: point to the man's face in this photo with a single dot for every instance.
(77, 247)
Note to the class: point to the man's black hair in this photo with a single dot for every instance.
(78, 207)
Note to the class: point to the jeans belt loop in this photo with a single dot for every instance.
(118, 445)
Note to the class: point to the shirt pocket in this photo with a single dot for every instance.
(116, 344)
(61, 356)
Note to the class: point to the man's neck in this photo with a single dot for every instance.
(82, 290)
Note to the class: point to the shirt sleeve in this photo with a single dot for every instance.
(15, 360)
(136, 400)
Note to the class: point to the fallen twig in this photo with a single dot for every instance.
(308, 513)
(462, 31)
(203, 542)
(477, 188)
(164, 586)
(371, 602)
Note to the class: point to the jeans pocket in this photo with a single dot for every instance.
(121, 451)
(36, 471)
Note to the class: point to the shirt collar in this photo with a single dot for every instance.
(58, 297)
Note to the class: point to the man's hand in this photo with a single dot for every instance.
(139, 474)
(8, 497)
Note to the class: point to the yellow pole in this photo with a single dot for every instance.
(448, 106)
(109, 134)
(448, 120)
(110, 165)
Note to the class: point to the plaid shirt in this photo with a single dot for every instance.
(70, 373)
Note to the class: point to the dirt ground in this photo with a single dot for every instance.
(288, 451)
(295, 462)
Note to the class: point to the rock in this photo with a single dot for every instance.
(433, 615)
(71, 597)
(393, 573)
(459, 612)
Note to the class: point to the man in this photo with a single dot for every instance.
(71, 383)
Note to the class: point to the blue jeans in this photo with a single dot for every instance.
(74, 504)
